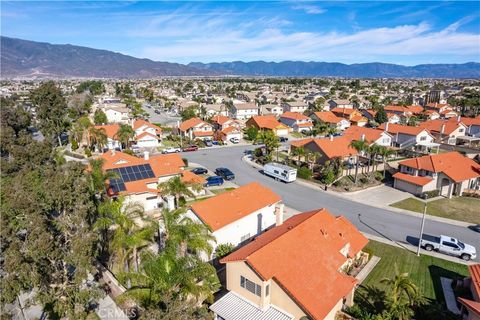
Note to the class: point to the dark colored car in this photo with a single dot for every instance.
(191, 148)
(225, 173)
(157, 111)
(475, 228)
(199, 171)
(214, 181)
(283, 139)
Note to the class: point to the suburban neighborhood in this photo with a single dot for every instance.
(240, 160)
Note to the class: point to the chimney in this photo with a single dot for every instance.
(459, 118)
(146, 155)
(442, 128)
(362, 137)
(386, 126)
(133, 123)
(279, 214)
(331, 137)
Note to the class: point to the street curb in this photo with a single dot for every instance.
(389, 208)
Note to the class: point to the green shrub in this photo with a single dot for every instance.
(74, 145)
(431, 194)
(181, 201)
(363, 180)
(304, 173)
(378, 176)
(224, 249)
(88, 153)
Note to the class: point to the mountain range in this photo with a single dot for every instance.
(30, 59)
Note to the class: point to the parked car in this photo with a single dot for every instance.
(283, 139)
(214, 181)
(225, 173)
(280, 172)
(199, 171)
(191, 148)
(171, 150)
(448, 245)
(208, 143)
(157, 111)
(475, 227)
(234, 140)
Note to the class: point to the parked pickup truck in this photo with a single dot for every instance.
(448, 245)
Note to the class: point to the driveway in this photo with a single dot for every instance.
(380, 196)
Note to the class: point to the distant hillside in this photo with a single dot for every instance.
(30, 59)
(318, 69)
(23, 58)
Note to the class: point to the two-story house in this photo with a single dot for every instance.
(295, 106)
(373, 136)
(405, 137)
(340, 103)
(444, 131)
(117, 113)
(271, 109)
(147, 135)
(449, 173)
(328, 148)
(354, 116)
(293, 271)
(196, 128)
(236, 216)
(243, 111)
(297, 121)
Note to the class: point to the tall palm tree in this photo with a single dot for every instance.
(360, 146)
(373, 151)
(180, 233)
(270, 140)
(97, 137)
(165, 279)
(175, 187)
(125, 134)
(385, 152)
(299, 152)
(99, 177)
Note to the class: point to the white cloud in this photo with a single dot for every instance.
(310, 9)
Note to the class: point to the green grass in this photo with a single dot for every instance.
(219, 191)
(425, 271)
(457, 208)
(296, 134)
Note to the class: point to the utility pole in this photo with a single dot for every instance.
(423, 225)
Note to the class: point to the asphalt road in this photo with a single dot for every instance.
(395, 226)
(162, 118)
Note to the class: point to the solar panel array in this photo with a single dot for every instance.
(131, 173)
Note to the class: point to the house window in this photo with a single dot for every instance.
(460, 130)
(245, 237)
(423, 138)
(250, 286)
(267, 290)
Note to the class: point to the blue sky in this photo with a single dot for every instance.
(350, 32)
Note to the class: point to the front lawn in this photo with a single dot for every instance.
(457, 208)
(425, 271)
(219, 191)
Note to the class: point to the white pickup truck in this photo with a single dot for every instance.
(448, 245)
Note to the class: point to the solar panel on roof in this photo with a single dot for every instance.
(131, 173)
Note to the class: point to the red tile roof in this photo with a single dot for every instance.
(145, 134)
(303, 256)
(139, 123)
(416, 180)
(190, 123)
(436, 126)
(356, 132)
(453, 164)
(294, 116)
(394, 128)
(110, 129)
(228, 207)
(191, 178)
(474, 270)
(328, 117)
(301, 142)
(471, 305)
(337, 147)
(265, 122)
(467, 121)
(220, 119)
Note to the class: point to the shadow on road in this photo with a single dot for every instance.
(400, 244)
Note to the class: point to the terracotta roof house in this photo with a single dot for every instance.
(147, 135)
(196, 128)
(374, 136)
(328, 148)
(471, 307)
(473, 125)
(297, 121)
(294, 270)
(268, 123)
(329, 117)
(405, 137)
(137, 178)
(444, 131)
(438, 107)
(111, 132)
(238, 215)
(221, 122)
(353, 115)
(449, 173)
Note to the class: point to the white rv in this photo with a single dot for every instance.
(280, 172)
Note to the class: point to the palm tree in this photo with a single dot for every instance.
(360, 146)
(176, 188)
(125, 134)
(166, 279)
(385, 152)
(373, 151)
(270, 140)
(401, 287)
(97, 137)
(180, 233)
(98, 178)
(299, 152)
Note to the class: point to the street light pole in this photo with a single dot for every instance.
(423, 225)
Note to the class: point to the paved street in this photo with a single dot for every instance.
(162, 118)
(398, 227)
